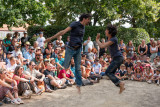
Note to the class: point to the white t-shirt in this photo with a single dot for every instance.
(34, 73)
(89, 45)
(40, 41)
(10, 67)
(15, 54)
(55, 45)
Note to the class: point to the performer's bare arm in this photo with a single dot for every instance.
(60, 33)
(103, 45)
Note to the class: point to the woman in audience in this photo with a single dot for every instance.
(153, 51)
(8, 89)
(142, 50)
(130, 49)
(22, 81)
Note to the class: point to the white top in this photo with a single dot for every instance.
(40, 41)
(33, 73)
(15, 54)
(153, 48)
(10, 67)
(54, 43)
(89, 45)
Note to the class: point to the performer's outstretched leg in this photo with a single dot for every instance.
(110, 72)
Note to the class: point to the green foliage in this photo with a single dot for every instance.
(134, 34)
(21, 12)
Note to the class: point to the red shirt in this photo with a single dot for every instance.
(20, 77)
(63, 71)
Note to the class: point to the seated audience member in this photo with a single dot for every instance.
(24, 64)
(35, 45)
(158, 59)
(104, 68)
(138, 75)
(83, 68)
(88, 70)
(9, 54)
(96, 68)
(23, 81)
(38, 60)
(129, 73)
(26, 48)
(122, 73)
(38, 77)
(102, 61)
(156, 77)
(59, 62)
(90, 56)
(9, 89)
(31, 71)
(94, 51)
(155, 64)
(12, 65)
(12, 46)
(48, 49)
(129, 63)
(139, 65)
(148, 74)
(30, 55)
(68, 75)
(46, 61)
(52, 79)
(16, 51)
(73, 66)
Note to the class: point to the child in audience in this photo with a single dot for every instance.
(129, 73)
(138, 75)
(122, 73)
(156, 77)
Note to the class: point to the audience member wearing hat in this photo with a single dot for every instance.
(26, 48)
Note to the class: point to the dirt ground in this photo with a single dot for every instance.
(103, 94)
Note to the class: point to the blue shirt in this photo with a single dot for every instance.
(113, 49)
(59, 61)
(29, 56)
(76, 34)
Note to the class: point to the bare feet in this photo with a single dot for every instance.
(79, 89)
(121, 87)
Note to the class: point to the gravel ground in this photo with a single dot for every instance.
(103, 94)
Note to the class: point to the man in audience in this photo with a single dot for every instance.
(88, 44)
(53, 80)
(29, 55)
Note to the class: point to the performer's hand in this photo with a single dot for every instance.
(98, 36)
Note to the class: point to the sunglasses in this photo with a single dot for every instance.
(33, 65)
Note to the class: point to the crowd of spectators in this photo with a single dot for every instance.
(26, 69)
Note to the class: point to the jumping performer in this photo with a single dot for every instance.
(117, 57)
(73, 49)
